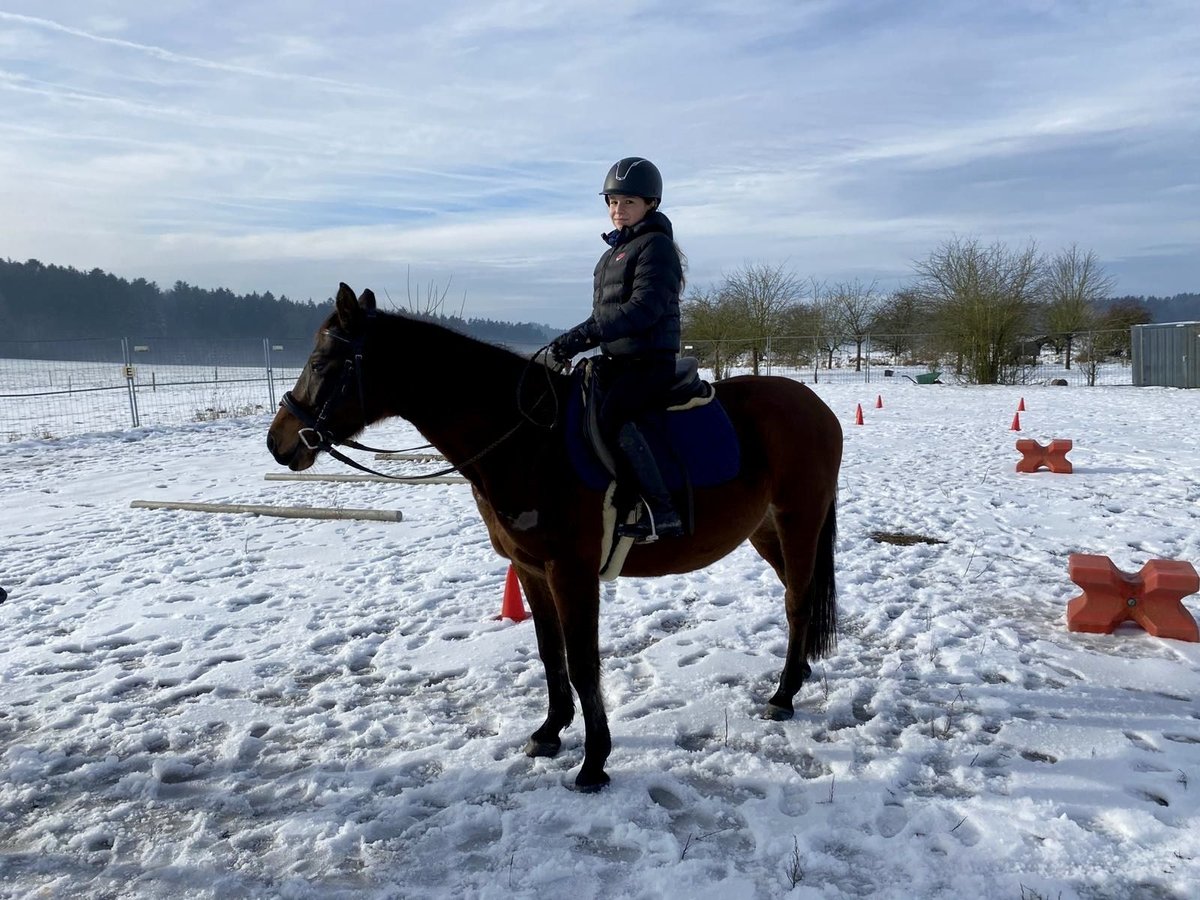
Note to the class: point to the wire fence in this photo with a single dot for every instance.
(1093, 358)
(54, 389)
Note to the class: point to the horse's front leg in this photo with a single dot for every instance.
(546, 741)
(576, 592)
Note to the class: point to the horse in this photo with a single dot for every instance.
(499, 418)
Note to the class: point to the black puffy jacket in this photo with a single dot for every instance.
(636, 287)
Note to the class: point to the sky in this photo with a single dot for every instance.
(285, 147)
(213, 706)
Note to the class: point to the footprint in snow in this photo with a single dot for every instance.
(891, 820)
(1141, 743)
(653, 707)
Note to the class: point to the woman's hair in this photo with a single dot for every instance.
(683, 264)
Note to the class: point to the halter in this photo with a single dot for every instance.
(352, 369)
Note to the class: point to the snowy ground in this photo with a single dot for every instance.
(221, 706)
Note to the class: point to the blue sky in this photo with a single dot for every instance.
(289, 146)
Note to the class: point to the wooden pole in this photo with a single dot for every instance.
(357, 479)
(285, 512)
(413, 457)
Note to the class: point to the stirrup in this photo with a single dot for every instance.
(644, 530)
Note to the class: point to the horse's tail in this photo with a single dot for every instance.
(821, 595)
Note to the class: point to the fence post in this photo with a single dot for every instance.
(270, 373)
(130, 386)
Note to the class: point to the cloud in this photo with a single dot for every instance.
(283, 147)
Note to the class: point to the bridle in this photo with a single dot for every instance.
(316, 436)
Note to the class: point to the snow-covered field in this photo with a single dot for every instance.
(220, 706)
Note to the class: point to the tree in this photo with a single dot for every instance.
(799, 325)
(761, 294)
(827, 334)
(897, 322)
(1114, 323)
(1075, 286)
(984, 298)
(854, 306)
(713, 321)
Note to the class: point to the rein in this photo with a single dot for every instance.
(352, 369)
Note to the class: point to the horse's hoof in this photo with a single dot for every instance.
(590, 784)
(778, 713)
(542, 748)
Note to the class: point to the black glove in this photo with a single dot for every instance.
(564, 347)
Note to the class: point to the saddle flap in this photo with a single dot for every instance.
(693, 439)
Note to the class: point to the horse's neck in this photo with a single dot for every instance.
(461, 394)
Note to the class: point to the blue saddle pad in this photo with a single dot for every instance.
(697, 445)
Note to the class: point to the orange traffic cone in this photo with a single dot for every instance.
(1016, 423)
(1021, 405)
(512, 607)
(858, 419)
(879, 401)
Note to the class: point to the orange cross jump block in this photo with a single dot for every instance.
(1152, 598)
(1053, 456)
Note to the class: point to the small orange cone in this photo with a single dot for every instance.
(879, 401)
(1016, 423)
(858, 419)
(512, 607)
(1021, 405)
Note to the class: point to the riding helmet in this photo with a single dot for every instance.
(634, 176)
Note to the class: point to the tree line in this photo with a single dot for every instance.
(41, 302)
(986, 310)
(983, 309)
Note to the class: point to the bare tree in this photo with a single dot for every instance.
(828, 335)
(762, 294)
(984, 298)
(1075, 285)
(897, 321)
(798, 325)
(434, 299)
(714, 322)
(854, 305)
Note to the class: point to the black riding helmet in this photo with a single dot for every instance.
(634, 176)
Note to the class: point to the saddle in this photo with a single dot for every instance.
(688, 391)
(692, 439)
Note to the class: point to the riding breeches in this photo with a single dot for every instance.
(630, 387)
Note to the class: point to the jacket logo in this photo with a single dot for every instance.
(620, 256)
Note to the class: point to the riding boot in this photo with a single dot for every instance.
(661, 520)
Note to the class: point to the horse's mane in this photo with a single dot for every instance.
(439, 338)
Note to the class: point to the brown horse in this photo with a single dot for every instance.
(499, 418)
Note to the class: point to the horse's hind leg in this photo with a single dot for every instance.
(799, 547)
(552, 650)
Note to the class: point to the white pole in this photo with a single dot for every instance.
(285, 512)
(353, 479)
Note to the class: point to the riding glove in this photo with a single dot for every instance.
(582, 337)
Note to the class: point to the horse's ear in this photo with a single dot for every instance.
(348, 312)
(367, 301)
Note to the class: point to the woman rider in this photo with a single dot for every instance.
(635, 320)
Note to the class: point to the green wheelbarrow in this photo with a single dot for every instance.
(927, 378)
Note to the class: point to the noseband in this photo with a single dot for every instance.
(314, 424)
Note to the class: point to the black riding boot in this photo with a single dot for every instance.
(661, 519)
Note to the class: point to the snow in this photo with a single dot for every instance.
(229, 706)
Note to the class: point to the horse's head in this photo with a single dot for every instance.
(328, 404)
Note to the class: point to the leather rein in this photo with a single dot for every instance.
(316, 436)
